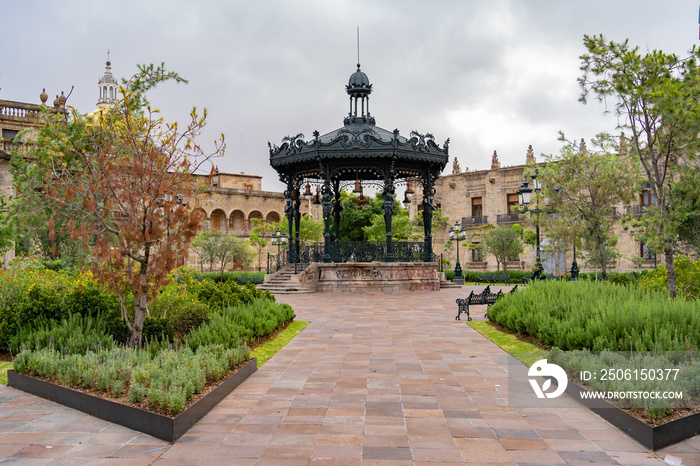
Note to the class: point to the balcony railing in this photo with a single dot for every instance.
(505, 218)
(8, 146)
(474, 220)
(19, 111)
(612, 212)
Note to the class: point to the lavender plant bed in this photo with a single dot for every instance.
(652, 437)
(159, 426)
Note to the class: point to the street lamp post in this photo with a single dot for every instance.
(279, 239)
(574, 266)
(525, 197)
(458, 234)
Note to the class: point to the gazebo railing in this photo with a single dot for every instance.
(350, 251)
(277, 261)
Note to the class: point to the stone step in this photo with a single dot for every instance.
(449, 285)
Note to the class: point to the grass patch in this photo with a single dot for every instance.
(524, 351)
(269, 349)
(4, 366)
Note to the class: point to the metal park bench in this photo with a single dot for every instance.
(485, 297)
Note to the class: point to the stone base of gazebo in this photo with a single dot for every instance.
(387, 277)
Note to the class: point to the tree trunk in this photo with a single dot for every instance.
(601, 253)
(671, 270)
(140, 308)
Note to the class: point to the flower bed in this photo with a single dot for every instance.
(160, 426)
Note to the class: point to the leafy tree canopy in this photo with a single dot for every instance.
(120, 181)
(655, 98)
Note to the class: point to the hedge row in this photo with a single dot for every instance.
(600, 316)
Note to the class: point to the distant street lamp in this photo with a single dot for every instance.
(279, 239)
(525, 199)
(574, 266)
(458, 234)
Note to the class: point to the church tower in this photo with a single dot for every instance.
(108, 87)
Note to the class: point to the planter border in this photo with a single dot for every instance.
(159, 426)
(651, 437)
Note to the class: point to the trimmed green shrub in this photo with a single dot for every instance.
(73, 334)
(687, 278)
(241, 324)
(599, 316)
(239, 277)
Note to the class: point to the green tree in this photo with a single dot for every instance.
(310, 230)
(234, 250)
(502, 242)
(204, 246)
(229, 249)
(30, 211)
(259, 237)
(559, 237)
(583, 184)
(6, 231)
(685, 203)
(123, 179)
(358, 214)
(401, 227)
(655, 98)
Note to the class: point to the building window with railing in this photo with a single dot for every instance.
(512, 213)
(8, 135)
(477, 253)
(477, 207)
(647, 197)
(646, 253)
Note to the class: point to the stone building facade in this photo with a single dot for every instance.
(18, 121)
(229, 201)
(474, 198)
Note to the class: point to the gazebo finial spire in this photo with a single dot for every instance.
(358, 47)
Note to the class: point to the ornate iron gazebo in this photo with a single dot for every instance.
(359, 152)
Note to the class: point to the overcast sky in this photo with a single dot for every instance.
(490, 75)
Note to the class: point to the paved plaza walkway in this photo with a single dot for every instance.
(374, 379)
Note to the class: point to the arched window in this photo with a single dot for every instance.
(104, 93)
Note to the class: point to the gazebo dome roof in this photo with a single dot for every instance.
(356, 129)
(358, 79)
(359, 144)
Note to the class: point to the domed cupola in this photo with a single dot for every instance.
(359, 89)
(108, 87)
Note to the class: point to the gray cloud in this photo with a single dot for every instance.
(488, 74)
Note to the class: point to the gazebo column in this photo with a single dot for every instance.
(337, 215)
(388, 214)
(297, 224)
(327, 212)
(289, 212)
(428, 195)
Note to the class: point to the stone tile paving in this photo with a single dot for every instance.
(375, 379)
